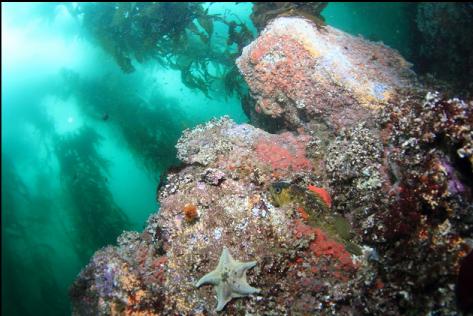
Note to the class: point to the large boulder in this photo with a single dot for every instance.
(298, 72)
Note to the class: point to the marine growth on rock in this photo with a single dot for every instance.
(361, 202)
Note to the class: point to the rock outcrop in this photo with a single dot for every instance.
(300, 73)
(300, 268)
(363, 207)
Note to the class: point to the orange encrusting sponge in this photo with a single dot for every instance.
(322, 193)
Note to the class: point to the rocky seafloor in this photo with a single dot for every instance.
(358, 203)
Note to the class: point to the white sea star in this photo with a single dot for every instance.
(229, 279)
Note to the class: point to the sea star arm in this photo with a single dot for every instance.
(224, 295)
(225, 259)
(243, 266)
(210, 278)
(244, 289)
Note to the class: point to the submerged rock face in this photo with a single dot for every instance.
(299, 72)
(365, 210)
(300, 268)
(445, 45)
(396, 157)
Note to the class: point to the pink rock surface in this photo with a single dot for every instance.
(299, 72)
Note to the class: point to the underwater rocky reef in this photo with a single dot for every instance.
(350, 193)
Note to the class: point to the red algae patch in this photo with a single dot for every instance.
(322, 193)
(322, 245)
(285, 152)
(302, 213)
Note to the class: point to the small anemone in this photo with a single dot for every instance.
(190, 212)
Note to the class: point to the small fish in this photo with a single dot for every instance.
(313, 204)
(281, 193)
(284, 192)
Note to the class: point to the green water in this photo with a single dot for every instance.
(84, 143)
(390, 23)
